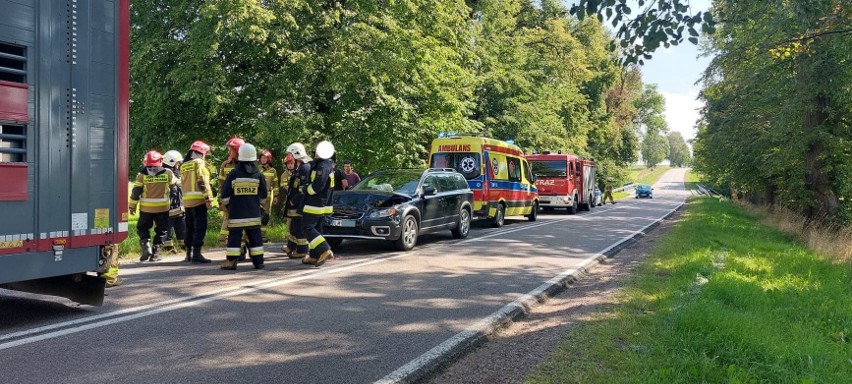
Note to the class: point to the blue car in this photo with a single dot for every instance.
(644, 190)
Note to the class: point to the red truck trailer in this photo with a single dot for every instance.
(64, 98)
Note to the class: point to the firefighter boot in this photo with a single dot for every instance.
(198, 258)
(155, 255)
(230, 263)
(257, 261)
(188, 257)
(146, 249)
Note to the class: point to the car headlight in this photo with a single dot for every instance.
(387, 212)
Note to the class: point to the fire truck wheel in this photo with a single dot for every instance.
(534, 213)
(500, 217)
(574, 207)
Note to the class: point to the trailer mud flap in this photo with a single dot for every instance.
(84, 289)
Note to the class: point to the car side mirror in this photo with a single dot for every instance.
(429, 190)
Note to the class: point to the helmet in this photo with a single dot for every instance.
(267, 154)
(172, 157)
(153, 159)
(298, 151)
(247, 152)
(235, 143)
(289, 158)
(200, 147)
(325, 150)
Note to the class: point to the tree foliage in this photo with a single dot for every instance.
(778, 104)
(679, 154)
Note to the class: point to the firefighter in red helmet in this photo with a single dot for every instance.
(197, 199)
(233, 145)
(154, 184)
(271, 176)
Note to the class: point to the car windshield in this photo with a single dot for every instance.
(398, 181)
(549, 168)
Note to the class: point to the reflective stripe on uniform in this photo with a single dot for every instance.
(327, 210)
(226, 200)
(256, 251)
(232, 251)
(311, 190)
(316, 242)
(240, 223)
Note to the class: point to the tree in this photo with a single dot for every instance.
(679, 154)
(776, 123)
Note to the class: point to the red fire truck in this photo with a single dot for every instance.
(64, 98)
(564, 181)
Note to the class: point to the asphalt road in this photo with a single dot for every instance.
(358, 319)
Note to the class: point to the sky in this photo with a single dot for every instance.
(675, 71)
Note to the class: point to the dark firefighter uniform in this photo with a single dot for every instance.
(297, 243)
(197, 194)
(271, 176)
(224, 171)
(151, 193)
(243, 193)
(317, 204)
(176, 215)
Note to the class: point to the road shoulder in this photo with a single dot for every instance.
(512, 352)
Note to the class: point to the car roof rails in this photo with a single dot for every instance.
(440, 170)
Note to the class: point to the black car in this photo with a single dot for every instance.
(400, 204)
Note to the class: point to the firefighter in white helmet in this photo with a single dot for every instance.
(317, 203)
(177, 226)
(297, 244)
(243, 193)
(233, 145)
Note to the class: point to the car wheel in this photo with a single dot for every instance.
(500, 217)
(462, 228)
(408, 235)
(534, 214)
(334, 242)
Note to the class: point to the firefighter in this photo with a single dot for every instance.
(154, 184)
(297, 244)
(177, 226)
(233, 145)
(608, 191)
(243, 194)
(111, 274)
(316, 206)
(197, 199)
(284, 182)
(271, 176)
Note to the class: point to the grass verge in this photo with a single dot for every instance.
(721, 298)
(642, 175)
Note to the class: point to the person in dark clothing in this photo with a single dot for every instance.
(297, 244)
(177, 213)
(243, 194)
(316, 206)
(340, 183)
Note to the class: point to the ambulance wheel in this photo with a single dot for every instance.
(462, 228)
(334, 242)
(534, 213)
(408, 236)
(500, 217)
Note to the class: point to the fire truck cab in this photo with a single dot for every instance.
(564, 181)
(64, 97)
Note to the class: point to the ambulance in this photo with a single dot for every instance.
(497, 171)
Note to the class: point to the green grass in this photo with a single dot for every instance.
(642, 175)
(692, 180)
(720, 298)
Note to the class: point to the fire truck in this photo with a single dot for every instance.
(64, 98)
(564, 181)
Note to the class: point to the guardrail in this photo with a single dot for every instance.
(703, 190)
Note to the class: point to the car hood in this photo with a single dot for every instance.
(362, 201)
